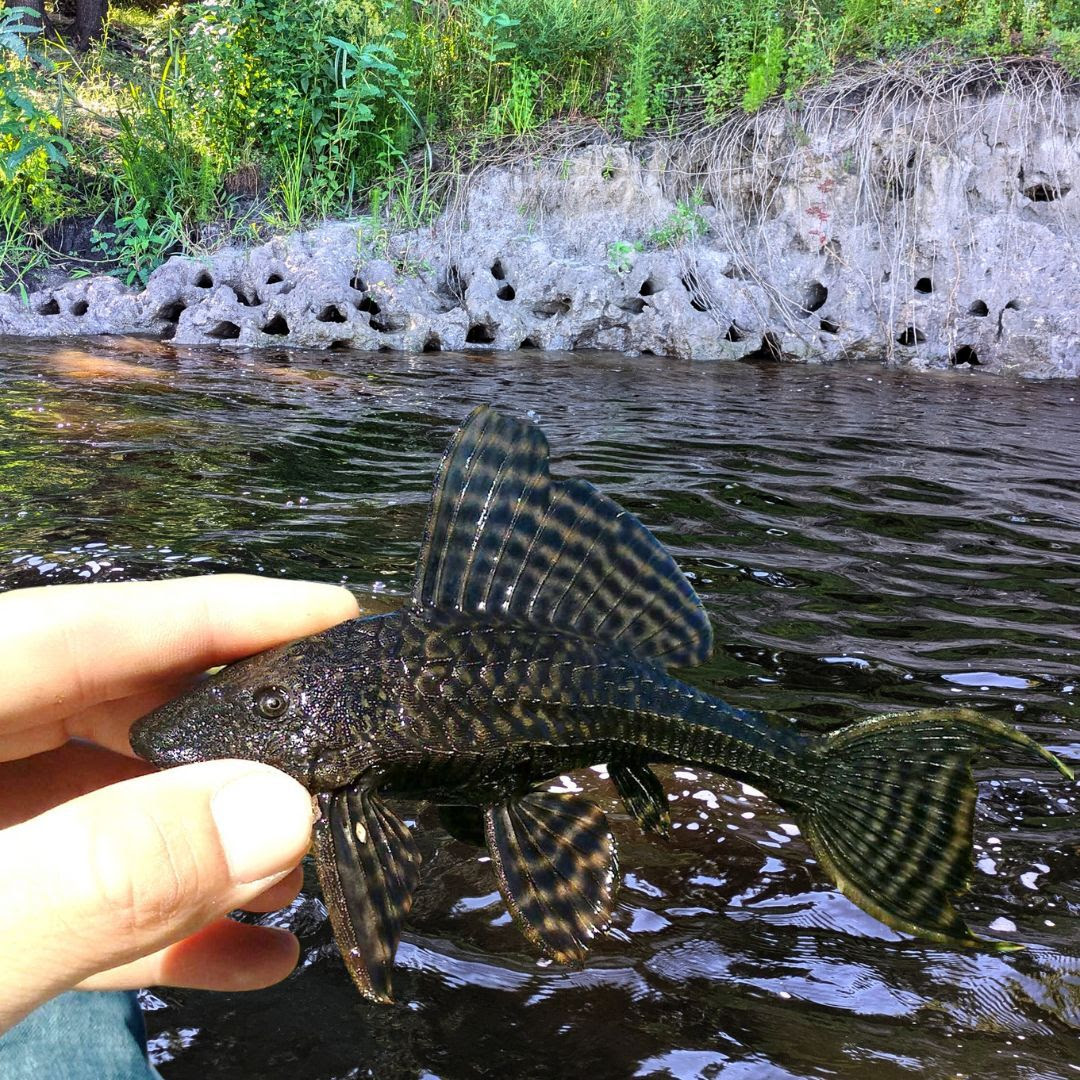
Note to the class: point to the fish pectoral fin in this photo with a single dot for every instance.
(368, 867)
(464, 823)
(556, 864)
(505, 539)
(643, 796)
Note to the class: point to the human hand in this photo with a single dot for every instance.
(113, 876)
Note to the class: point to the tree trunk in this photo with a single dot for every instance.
(89, 20)
(37, 5)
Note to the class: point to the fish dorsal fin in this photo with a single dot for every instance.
(368, 867)
(505, 539)
(643, 796)
(555, 860)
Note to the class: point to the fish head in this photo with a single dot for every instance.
(282, 708)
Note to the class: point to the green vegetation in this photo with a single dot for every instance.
(249, 115)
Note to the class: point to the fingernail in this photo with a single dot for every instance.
(263, 819)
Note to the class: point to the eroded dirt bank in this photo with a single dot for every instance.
(928, 218)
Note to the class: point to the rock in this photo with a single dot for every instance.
(929, 234)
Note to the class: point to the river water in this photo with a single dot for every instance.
(864, 540)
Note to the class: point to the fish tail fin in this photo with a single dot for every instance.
(891, 818)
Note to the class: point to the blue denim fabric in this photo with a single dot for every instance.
(81, 1035)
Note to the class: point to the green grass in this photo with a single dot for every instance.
(268, 112)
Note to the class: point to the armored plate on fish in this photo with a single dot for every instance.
(537, 639)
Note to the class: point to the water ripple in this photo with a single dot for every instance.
(864, 541)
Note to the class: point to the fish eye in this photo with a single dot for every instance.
(271, 702)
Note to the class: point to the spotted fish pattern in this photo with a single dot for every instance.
(538, 637)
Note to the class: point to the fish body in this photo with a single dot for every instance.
(452, 706)
(537, 639)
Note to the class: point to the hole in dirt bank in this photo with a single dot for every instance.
(814, 297)
(79, 308)
(455, 285)
(924, 285)
(549, 308)
(386, 324)
(1045, 192)
(432, 343)
(634, 304)
(49, 307)
(506, 293)
(171, 312)
(224, 331)
(738, 272)
(331, 313)
(480, 334)
(357, 283)
(277, 326)
(648, 287)
(979, 308)
(274, 279)
(204, 280)
(1013, 305)
(498, 271)
(609, 171)
(691, 284)
(911, 336)
(964, 354)
(829, 327)
(243, 298)
(528, 343)
(769, 349)
(339, 344)
(368, 305)
(734, 333)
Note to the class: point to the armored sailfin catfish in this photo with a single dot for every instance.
(537, 639)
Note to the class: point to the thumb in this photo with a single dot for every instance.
(130, 868)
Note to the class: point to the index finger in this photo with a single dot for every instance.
(64, 648)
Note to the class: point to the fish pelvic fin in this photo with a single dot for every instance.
(642, 795)
(368, 867)
(891, 822)
(504, 539)
(555, 862)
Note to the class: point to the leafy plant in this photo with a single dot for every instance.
(17, 255)
(766, 68)
(138, 242)
(641, 72)
(620, 256)
(519, 111)
(494, 39)
(684, 224)
(32, 148)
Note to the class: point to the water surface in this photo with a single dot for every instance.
(864, 540)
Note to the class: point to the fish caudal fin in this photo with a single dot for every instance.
(891, 823)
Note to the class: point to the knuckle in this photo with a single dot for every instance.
(145, 875)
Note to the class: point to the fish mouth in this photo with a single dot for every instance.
(156, 738)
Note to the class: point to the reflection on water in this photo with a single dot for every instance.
(864, 540)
